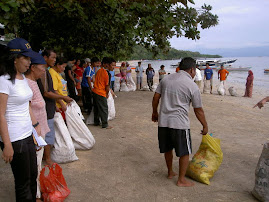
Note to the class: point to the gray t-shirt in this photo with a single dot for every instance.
(177, 92)
(162, 75)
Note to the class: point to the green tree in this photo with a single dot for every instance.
(104, 27)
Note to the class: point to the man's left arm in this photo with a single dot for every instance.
(200, 115)
(198, 110)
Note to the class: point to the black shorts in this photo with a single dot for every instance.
(177, 139)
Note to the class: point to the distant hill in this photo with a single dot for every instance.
(239, 52)
(142, 53)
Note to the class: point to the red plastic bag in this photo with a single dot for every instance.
(53, 186)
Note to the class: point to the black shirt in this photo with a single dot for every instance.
(50, 103)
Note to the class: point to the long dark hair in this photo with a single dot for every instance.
(7, 63)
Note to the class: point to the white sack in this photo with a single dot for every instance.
(117, 84)
(145, 88)
(261, 190)
(63, 150)
(232, 91)
(207, 86)
(78, 110)
(81, 135)
(154, 87)
(131, 84)
(123, 87)
(221, 89)
(116, 87)
(90, 118)
(111, 107)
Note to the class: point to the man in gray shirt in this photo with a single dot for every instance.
(176, 92)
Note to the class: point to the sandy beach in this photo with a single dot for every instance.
(125, 163)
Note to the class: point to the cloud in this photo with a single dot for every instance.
(233, 10)
(242, 24)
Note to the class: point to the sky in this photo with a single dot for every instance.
(243, 29)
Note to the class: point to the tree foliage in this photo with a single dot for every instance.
(139, 52)
(104, 27)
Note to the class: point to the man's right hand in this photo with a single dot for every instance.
(155, 116)
(204, 131)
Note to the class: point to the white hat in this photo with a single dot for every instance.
(87, 60)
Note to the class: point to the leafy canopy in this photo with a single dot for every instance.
(104, 27)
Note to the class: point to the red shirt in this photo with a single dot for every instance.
(79, 71)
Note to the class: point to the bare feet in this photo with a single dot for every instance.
(171, 175)
(184, 183)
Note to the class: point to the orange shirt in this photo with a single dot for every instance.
(223, 73)
(177, 69)
(100, 83)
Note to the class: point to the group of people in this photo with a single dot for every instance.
(176, 92)
(222, 76)
(150, 72)
(32, 90)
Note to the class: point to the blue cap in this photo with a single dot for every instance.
(37, 59)
(21, 46)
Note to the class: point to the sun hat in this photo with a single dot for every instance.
(21, 46)
(38, 59)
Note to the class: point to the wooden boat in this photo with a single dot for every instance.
(266, 71)
(239, 69)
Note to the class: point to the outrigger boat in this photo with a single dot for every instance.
(213, 63)
(266, 71)
(239, 69)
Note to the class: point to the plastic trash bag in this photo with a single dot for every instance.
(221, 89)
(63, 150)
(261, 190)
(53, 186)
(232, 91)
(206, 161)
(111, 107)
(81, 135)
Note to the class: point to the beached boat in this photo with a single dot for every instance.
(239, 69)
(213, 63)
(205, 61)
(266, 71)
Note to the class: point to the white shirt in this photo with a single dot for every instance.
(17, 112)
(140, 71)
(198, 75)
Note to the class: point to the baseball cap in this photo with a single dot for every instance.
(37, 59)
(87, 60)
(21, 46)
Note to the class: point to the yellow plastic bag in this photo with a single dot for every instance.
(206, 161)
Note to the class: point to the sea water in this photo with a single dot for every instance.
(257, 64)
